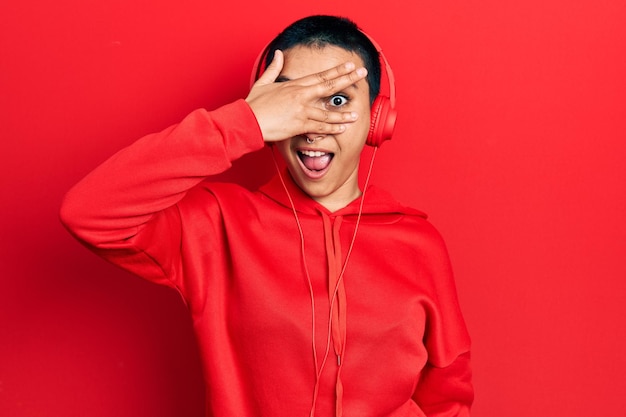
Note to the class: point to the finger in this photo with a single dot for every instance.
(273, 69)
(328, 74)
(331, 117)
(328, 122)
(327, 86)
(321, 128)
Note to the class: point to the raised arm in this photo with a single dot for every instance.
(128, 202)
(155, 172)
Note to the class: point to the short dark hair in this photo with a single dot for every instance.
(324, 30)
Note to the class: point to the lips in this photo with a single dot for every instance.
(314, 163)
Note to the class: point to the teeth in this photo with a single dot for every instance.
(313, 154)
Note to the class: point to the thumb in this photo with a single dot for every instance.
(273, 69)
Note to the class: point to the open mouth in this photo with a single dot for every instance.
(315, 163)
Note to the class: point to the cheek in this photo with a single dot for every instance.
(359, 130)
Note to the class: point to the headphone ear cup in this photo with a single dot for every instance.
(382, 121)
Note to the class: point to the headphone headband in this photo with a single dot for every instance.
(388, 72)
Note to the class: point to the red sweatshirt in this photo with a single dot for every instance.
(281, 330)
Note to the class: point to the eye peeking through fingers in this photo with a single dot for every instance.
(337, 100)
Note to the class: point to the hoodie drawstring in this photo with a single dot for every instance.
(337, 300)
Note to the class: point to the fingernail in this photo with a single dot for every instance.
(354, 115)
(361, 72)
(350, 66)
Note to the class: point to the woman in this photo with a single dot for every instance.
(310, 295)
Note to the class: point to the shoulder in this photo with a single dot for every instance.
(414, 224)
(380, 201)
(223, 193)
(227, 200)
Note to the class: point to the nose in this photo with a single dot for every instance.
(311, 140)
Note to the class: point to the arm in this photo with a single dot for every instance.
(155, 172)
(141, 184)
(129, 202)
(121, 192)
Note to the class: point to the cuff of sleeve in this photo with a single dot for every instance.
(239, 127)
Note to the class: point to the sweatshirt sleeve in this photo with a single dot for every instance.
(446, 391)
(445, 385)
(109, 209)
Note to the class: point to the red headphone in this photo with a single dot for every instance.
(383, 112)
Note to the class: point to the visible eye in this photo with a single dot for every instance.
(338, 100)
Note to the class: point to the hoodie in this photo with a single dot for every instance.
(297, 310)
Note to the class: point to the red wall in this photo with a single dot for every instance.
(510, 134)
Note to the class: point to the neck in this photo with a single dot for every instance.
(333, 204)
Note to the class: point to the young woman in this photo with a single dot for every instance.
(308, 296)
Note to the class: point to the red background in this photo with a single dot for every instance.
(510, 135)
